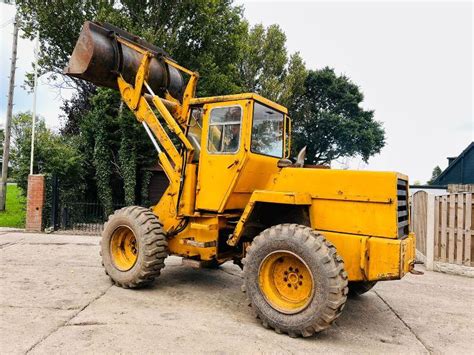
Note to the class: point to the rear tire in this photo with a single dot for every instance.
(295, 280)
(358, 288)
(133, 247)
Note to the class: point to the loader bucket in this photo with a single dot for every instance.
(99, 58)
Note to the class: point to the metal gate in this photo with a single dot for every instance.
(85, 217)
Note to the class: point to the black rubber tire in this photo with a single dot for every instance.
(358, 288)
(151, 245)
(326, 266)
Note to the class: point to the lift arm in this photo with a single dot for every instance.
(172, 159)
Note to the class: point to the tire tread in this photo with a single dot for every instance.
(333, 263)
(153, 242)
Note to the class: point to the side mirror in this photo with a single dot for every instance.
(283, 163)
(301, 157)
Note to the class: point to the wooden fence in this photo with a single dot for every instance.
(444, 228)
(453, 229)
(418, 219)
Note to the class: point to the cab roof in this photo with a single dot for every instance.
(245, 96)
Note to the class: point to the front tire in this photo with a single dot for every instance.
(133, 247)
(295, 280)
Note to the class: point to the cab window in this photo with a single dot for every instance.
(224, 129)
(267, 131)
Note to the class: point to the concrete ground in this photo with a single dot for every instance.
(55, 297)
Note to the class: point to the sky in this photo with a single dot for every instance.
(49, 99)
(412, 60)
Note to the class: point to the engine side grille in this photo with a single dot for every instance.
(402, 210)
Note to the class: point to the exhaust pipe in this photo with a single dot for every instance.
(99, 58)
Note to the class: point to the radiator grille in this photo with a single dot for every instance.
(402, 211)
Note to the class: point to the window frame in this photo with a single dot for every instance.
(224, 124)
(251, 131)
(196, 157)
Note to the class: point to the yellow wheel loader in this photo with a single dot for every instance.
(305, 236)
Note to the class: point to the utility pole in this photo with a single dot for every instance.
(6, 145)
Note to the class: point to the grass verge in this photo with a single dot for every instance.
(15, 210)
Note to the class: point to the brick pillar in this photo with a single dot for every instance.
(35, 203)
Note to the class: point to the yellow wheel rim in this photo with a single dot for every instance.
(286, 282)
(123, 248)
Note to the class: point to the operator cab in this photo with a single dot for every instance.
(238, 141)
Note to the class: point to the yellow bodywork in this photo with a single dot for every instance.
(213, 200)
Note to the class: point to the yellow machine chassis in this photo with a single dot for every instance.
(196, 226)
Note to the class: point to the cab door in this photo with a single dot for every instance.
(222, 153)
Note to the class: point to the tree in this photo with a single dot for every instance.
(54, 155)
(265, 67)
(293, 82)
(74, 111)
(116, 151)
(264, 60)
(434, 175)
(202, 35)
(328, 120)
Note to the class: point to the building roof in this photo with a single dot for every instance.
(460, 170)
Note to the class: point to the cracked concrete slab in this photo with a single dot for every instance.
(22, 327)
(57, 299)
(62, 287)
(35, 238)
(207, 310)
(437, 307)
(11, 238)
(37, 271)
(51, 254)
